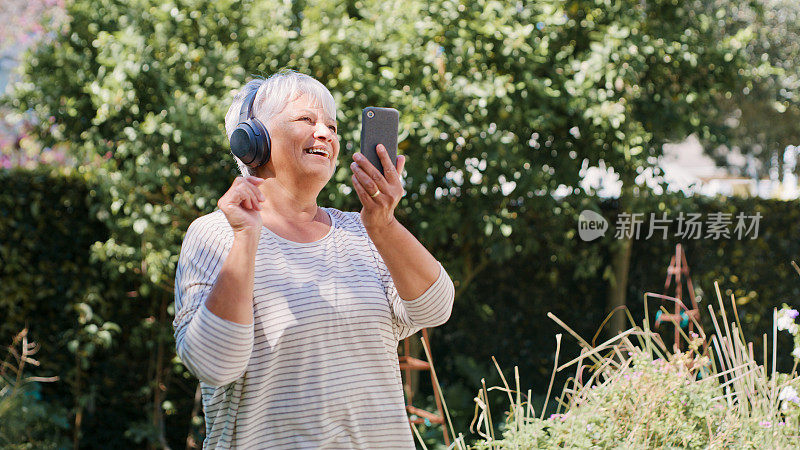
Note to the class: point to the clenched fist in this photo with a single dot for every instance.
(241, 204)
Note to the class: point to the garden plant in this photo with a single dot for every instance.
(633, 391)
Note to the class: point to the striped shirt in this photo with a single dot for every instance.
(318, 367)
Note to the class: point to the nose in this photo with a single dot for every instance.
(322, 132)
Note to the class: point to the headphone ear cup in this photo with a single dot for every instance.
(250, 143)
(265, 147)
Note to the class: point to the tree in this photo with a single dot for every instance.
(500, 106)
(762, 114)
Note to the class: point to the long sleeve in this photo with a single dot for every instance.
(430, 309)
(215, 350)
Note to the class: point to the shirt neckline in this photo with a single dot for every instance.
(305, 244)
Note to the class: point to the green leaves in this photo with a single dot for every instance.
(501, 105)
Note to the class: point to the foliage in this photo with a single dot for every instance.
(52, 287)
(761, 113)
(47, 231)
(756, 272)
(714, 395)
(502, 103)
(511, 301)
(28, 421)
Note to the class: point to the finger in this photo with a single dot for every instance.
(365, 198)
(369, 184)
(255, 202)
(246, 198)
(370, 171)
(255, 180)
(246, 203)
(250, 187)
(401, 164)
(256, 197)
(389, 170)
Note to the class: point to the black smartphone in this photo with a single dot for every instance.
(379, 126)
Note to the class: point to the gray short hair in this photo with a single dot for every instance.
(274, 93)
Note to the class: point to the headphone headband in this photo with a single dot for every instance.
(246, 113)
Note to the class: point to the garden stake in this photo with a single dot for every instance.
(722, 362)
(774, 349)
(724, 314)
(531, 410)
(736, 316)
(728, 347)
(438, 387)
(503, 379)
(488, 411)
(719, 333)
(564, 392)
(553, 375)
(409, 364)
(571, 331)
(419, 438)
(764, 340)
(518, 411)
(595, 350)
(576, 382)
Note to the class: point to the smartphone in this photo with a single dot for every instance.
(379, 126)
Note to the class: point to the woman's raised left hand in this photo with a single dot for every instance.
(379, 193)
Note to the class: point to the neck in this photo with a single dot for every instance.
(292, 204)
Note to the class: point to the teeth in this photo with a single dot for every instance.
(317, 151)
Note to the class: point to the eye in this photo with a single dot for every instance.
(307, 119)
(332, 127)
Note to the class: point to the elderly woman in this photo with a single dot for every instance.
(290, 313)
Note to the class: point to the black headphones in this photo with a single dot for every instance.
(250, 140)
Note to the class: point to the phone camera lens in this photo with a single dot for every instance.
(370, 114)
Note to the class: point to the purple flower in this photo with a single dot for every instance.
(765, 424)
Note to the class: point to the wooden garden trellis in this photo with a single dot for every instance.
(683, 315)
(409, 364)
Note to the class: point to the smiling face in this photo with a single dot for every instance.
(304, 145)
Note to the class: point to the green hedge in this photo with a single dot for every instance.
(79, 315)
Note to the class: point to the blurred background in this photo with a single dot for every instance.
(515, 117)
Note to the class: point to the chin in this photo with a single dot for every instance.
(318, 178)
